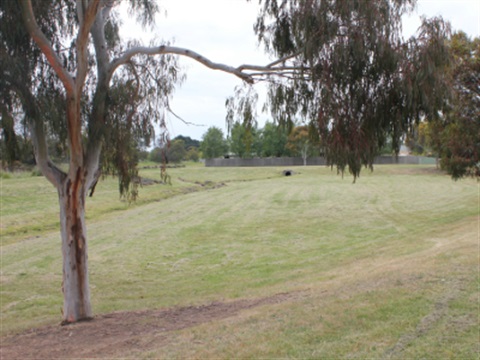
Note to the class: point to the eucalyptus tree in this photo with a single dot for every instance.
(274, 140)
(176, 152)
(109, 92)
(189, 142)
(300, 143)
(244, 141)
(213, 143)
(350, 73)
(341, 64)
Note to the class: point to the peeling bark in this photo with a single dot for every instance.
(76, 291)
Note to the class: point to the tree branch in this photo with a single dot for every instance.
(40, 39)
(134, 96)
(48, 169)
(268, 69)
(107, 8)
(100, 44)
(269, 66)
(97, 117)
(140, 50)
(80, 10)
(169, 109)
(89, 16)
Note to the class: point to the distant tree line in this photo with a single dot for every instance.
(270, 141)
(251, 141)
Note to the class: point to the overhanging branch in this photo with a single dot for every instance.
(36, 124)
(272, 66)
(240, 71)
(164, 49)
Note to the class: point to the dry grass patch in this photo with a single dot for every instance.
(385, 268)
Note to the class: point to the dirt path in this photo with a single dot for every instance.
(119, 334)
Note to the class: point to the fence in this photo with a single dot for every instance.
(313, 161)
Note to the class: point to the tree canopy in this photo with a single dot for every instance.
(273, 140)
(300, 142)
(213, 143)
(348, 72)
(245, 141)
(459, 143)
(189, 142)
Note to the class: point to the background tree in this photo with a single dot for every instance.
(237, 140)
(434, 138)
(191, 147)
(241, 121)
(176, 151)
(300, 143)
(274, 140)
(427, 138)
(157, 155)
(245, 141)
(460, 138)
(418, 138)
(192, 154)
(213, 143)
(356, 81)
(188, 141)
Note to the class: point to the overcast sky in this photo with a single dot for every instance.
(222, 30)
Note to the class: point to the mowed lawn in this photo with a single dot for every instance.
(387, 267)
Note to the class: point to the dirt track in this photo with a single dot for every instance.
(120, 334)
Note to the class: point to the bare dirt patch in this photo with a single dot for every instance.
(121, 334)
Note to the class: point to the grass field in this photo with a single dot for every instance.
(384, 268)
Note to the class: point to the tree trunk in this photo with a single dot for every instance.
(75, 286)
(305, 154)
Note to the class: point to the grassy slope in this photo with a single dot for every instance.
(384, 268)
